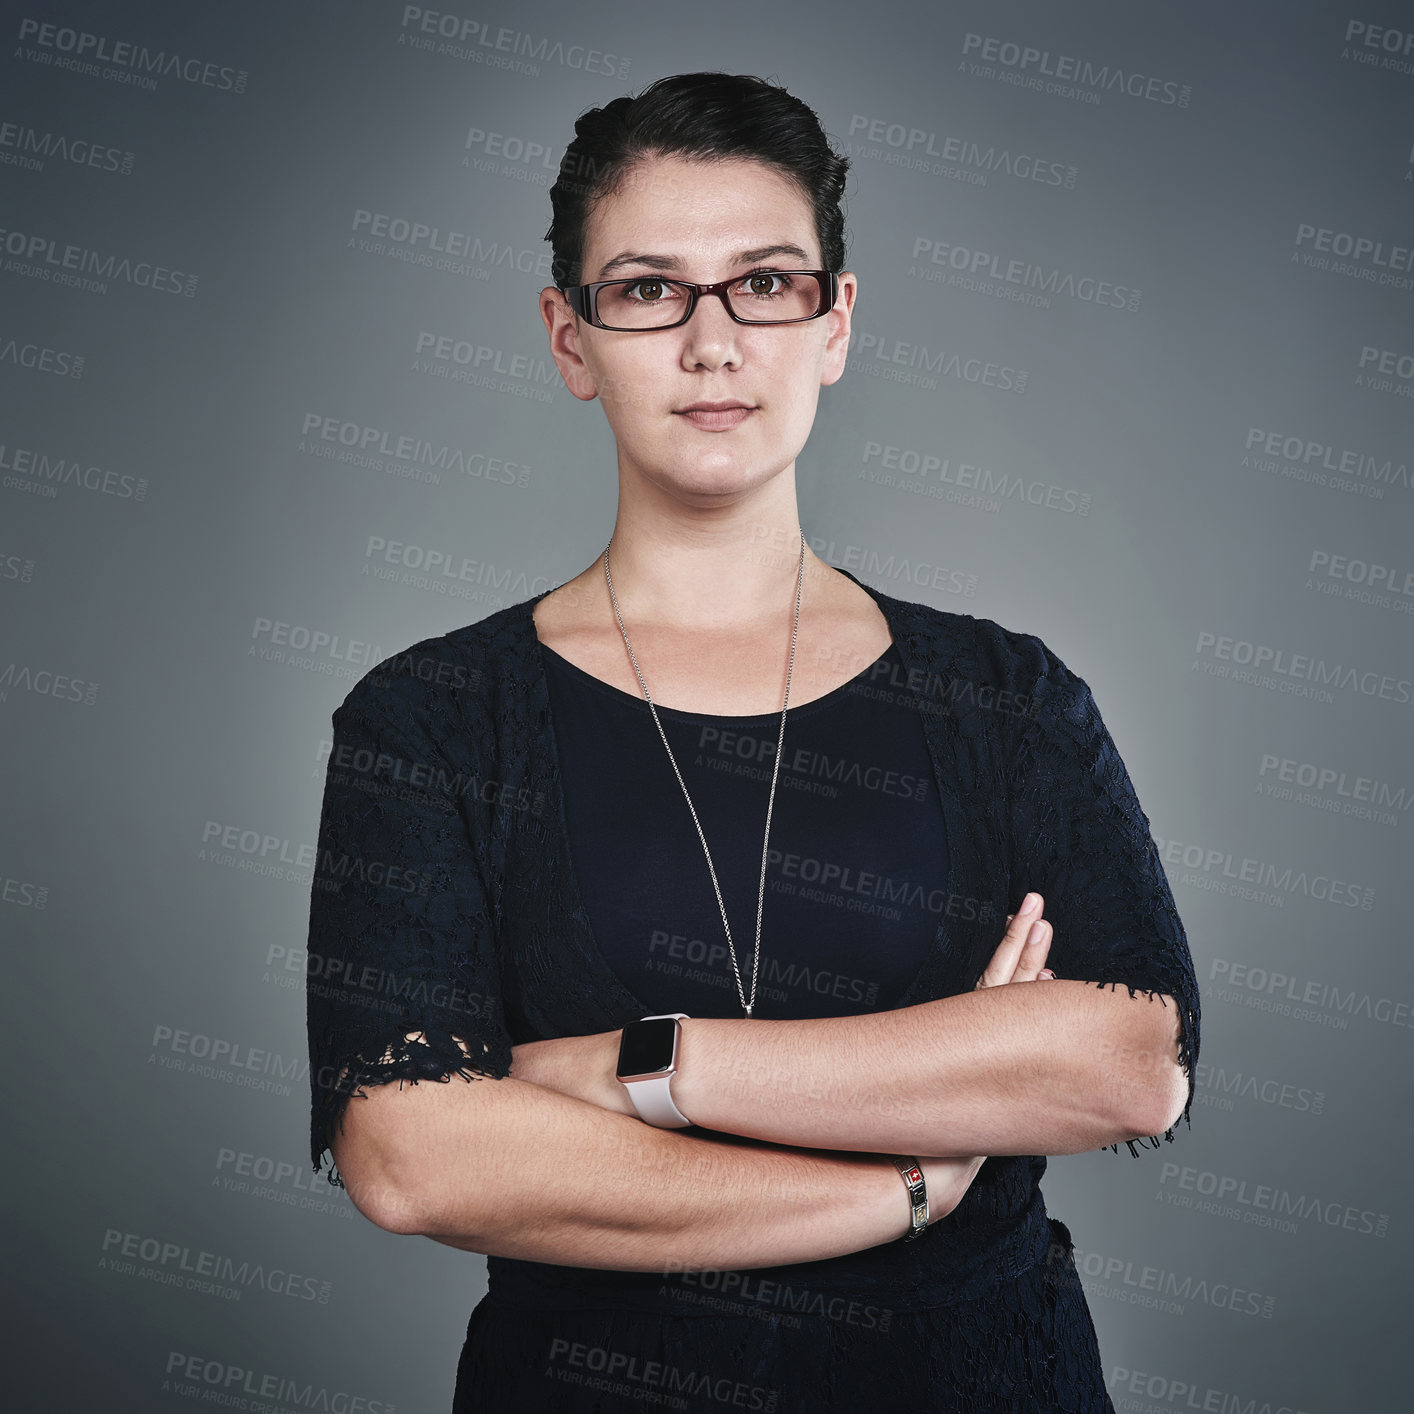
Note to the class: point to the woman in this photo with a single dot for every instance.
(566, 801)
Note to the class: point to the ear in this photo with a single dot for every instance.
(836, 350)
(562, 324)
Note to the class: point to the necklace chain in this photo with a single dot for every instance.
(748, 1006)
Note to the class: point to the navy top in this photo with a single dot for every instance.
(856, 877)
(450, 922)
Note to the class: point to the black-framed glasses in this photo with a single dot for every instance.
(760, 297)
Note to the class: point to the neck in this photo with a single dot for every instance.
(711, 568)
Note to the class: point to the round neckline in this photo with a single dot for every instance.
(677, 714)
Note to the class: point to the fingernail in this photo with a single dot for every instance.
(1028, 904)
(1037, 933)
(1047, 973)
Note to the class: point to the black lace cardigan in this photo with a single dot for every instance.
(445, 901)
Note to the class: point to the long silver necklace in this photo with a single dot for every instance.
(775, 772)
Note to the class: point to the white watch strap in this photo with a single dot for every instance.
(652, 1098)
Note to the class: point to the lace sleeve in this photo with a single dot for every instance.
(1082, 841)
(402, 980)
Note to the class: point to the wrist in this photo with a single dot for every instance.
(648, 1067)
(909, 1168)
(680, 1086)
(690, 1058)
(948, 1180)
(610, 1092)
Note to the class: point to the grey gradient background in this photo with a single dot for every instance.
(128, 927)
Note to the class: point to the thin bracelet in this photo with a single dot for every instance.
(912, 1176)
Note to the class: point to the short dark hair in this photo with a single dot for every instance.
(704, 115)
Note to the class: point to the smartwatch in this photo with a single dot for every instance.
(648, 1059)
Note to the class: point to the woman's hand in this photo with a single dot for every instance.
(1021, 954)
(1020, 957)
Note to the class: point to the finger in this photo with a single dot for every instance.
(1003, 962)
(1033, 954)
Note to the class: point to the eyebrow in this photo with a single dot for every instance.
(669, 262)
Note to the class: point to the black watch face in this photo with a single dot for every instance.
(647, 1046)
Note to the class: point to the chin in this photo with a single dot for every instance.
(721, 482)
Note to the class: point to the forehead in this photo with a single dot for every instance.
(699, 210)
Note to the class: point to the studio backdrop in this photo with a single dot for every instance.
(1132, 369)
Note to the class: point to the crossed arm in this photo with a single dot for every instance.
(1006, 1069)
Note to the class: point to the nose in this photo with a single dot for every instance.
(712, 337)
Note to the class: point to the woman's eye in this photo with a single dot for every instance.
(764, 282)
(646, 290)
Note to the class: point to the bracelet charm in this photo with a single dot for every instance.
(912, 1176)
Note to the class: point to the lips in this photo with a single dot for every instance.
(716, 417)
